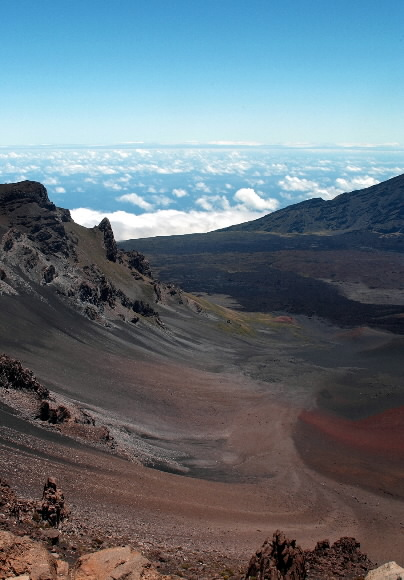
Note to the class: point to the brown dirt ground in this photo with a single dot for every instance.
(234, 411)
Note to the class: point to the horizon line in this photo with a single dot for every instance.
(224, 144)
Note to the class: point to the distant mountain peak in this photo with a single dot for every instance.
(379, 208)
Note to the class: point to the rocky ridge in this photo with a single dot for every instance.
(42, 249)
(22, 392)
(378, 208)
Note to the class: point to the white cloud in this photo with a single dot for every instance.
(112, 185)
(248, 197)
(307, 188)
(135, 199)
(236, 143)
(162, 200)
(352, 168)
(204, 202)
(290, 183)
(105, 170)
(356, 183)
(201, 186)
(165, 222)
(255, 182)
(50, 181)
(179, 192)
(60, 190)
(210, 202)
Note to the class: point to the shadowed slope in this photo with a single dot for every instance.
(341, 260)
(379, 208)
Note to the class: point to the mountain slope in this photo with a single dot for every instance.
(340, 260)
(205, 430)
(379, 208)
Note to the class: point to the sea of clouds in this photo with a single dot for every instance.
(159, 190)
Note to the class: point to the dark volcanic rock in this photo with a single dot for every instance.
(109, 240)
(52, 414)
(7, 495)
(282, 558)
(143, 308)
(25, 191)
(137, 261)
(341, 560)
(29, 211)
(53, 509)
(14, 376)
(277, 559)
(49, 274)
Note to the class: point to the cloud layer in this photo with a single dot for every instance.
(148, 191)
(167, 222)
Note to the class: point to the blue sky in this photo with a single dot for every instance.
(116, 81)
(173, 71)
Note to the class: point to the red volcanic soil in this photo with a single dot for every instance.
(285, 319)
(380, 434)
(368, 453)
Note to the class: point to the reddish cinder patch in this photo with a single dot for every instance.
(285, 319)
(381, 433)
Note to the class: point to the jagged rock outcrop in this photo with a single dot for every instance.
(18, 508)
(343, 559)
(14, 376)
(53, 509)
(276, 559)
(29, 210)
(109, 240)
(280, 558)
(389, 571)
(138, 263)
(42, 247)
(7, 495)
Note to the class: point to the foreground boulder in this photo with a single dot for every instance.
(118, 563)
(389, 571)
(25, 559)
(20, 556)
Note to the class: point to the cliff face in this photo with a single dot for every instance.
(25, 208)
(43, 250)
(379, 208)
